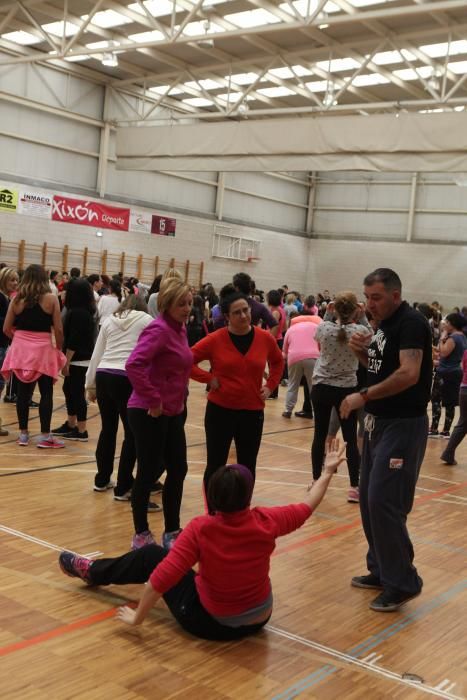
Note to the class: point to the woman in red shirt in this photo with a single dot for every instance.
(230, 595)
(238, 354)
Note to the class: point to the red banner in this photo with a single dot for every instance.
(163, 225)
(80, 211)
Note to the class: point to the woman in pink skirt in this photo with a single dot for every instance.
(32, 357)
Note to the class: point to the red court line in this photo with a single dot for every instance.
(356, 523)
(99, 617)
(58, 632)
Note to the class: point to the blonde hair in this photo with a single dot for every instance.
(5, 274)
(34, 284)
(171, 273)
(172, 289)
(290, 298)
(345, 306)
(133, 302)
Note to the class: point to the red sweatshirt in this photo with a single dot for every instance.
(233, 551)
(240, 376)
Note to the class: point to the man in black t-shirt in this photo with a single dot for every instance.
(399, 371)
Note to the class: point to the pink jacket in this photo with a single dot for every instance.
(300, 343)
(159, 367)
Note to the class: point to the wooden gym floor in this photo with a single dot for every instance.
(58, 639)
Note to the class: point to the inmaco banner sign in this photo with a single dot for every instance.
(34, 203)
(86, 213)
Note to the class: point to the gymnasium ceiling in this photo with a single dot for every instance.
(251, 58)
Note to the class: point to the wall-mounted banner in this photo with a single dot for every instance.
(80, 211)
(140, 221)
(8, 199)
(33, 203)
(163, 225)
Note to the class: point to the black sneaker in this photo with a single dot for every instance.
(304, 414)
(154, 507)
(157, 487)
(10, 399)
(74, 434)
(33, 404)
(75, 566)
(62, 430)
(390, 602)
(367, 581)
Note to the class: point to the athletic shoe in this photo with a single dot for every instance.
(366, 581)
(390, 602)
(124, 496)
(304, 414)
(50, 443)
(287, 414)
(33, 404)
(433, 433)
(75, 566)
(284, 382)
(106, 487)
(168, 538)
(74, 434)
(10, 399)
(353, 495)
(62, 430)
(23, 440)
(141, 539)
(450, 461)
(445, 434)
(157, 487)
(153, 507)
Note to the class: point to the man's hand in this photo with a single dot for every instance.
(66, 370)
(359, 342)
(91, 394)
(351, 403)
(265, 392)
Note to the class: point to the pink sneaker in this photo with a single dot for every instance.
(50, 443)
(353, 495)
(141, 539)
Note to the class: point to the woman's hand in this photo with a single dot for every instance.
(127, 615)
(155, 412)
(91, 394)
(66, 370)
(334, 456)
(214, 384)
(265, 392)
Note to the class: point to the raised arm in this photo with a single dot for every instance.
(334, 456)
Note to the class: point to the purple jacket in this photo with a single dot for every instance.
(159, 367)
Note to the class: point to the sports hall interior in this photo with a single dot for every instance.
(306, 143)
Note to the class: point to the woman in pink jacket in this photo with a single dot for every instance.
(158, 369)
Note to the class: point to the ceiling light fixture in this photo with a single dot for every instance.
(110, 60)
(206, 42)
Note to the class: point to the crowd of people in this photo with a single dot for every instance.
(368, 368)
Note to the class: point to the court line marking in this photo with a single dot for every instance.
(347, 658)
(43, 543)
(452, 503)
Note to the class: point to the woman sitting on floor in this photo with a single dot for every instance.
(230, 596)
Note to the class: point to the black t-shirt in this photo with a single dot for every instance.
(4, 303)
(79, 333)
(406, 329)
(243, 342)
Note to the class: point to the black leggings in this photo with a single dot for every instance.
(113, 392)
(182, 600)
(24, 396)
(324, 398)
(73, 388)
(223, 425)
(160, 445)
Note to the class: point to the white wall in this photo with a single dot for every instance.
(428, 273)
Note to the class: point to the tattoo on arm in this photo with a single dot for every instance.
(412, 354)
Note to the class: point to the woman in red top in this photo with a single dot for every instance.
(238, 355)
(230, 595)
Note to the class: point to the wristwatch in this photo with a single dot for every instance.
(364, 394)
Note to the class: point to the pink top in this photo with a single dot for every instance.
(233, 551)
(159, 367)
(464, 368)
(32, 354)
(300, 343)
